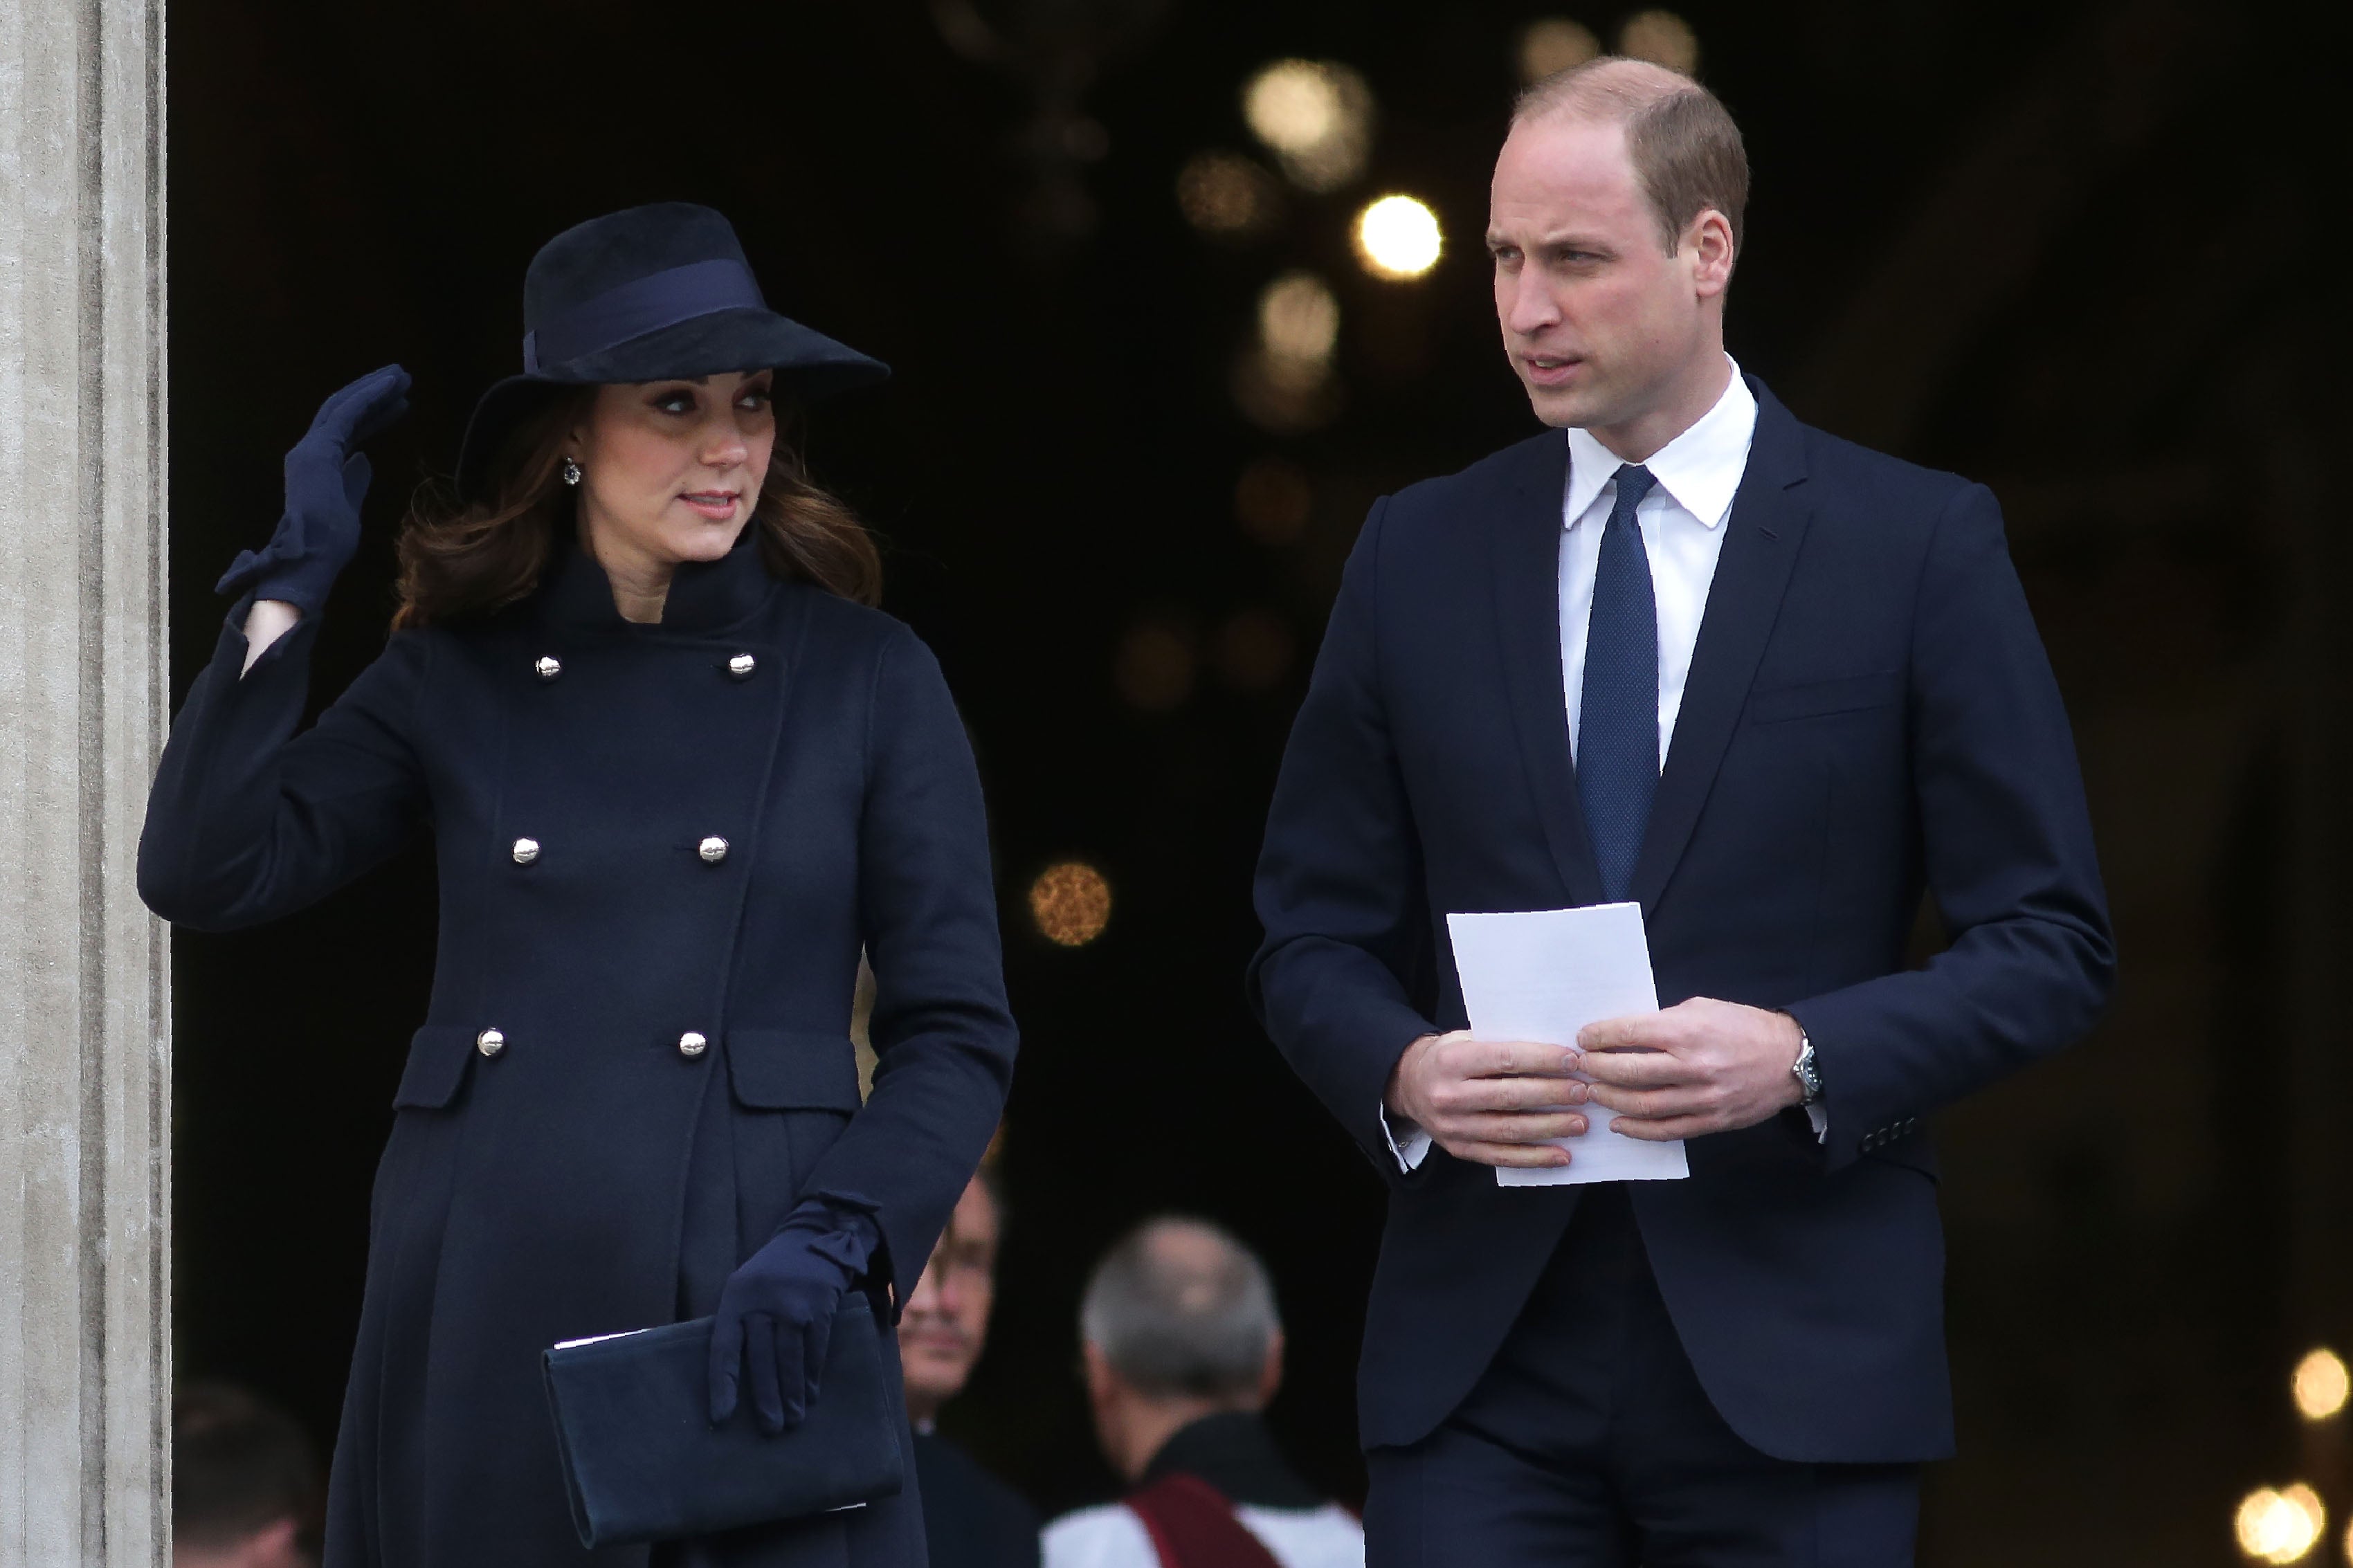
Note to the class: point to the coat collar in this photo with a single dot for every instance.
(1526, 576)
(1764, 532)
(1234, 1453)
(704, 596)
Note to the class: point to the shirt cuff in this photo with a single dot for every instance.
(1819, 1115)
(1410, 1150)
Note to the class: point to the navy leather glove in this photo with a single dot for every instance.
(776, 1314)
(325, 481)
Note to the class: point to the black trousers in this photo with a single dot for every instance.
(1589, 1443)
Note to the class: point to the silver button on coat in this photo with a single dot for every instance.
(712, 849)
(742, 666)
(490, 1042)
(692, 1045)
(548, 666)
(526, 850)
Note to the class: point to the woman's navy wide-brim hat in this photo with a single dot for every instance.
(650, 294)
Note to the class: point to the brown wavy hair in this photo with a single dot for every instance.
(458, 559)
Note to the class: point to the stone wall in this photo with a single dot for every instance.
(85, 1061)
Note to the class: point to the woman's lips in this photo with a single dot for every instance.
(716, 505)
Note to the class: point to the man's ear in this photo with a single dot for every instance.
(1710, 240)
(273, 1546)
(1103, 1383)
(1270, 1376)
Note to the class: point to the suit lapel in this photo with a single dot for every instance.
(1766, 526)
(1526, 576)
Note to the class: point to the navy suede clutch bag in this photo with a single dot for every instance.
(643, 1462)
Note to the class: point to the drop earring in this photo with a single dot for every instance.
(571, 472)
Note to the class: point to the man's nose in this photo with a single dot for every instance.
(1529, 306)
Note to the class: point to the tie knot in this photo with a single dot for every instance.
(1634, 482)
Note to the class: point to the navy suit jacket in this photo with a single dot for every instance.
(1869, 712)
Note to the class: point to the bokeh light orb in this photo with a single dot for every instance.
(1398, 237)
(1071, 901)
(2281, 1526)
(1662, 37)
(1226, 196)
(2320, 1384)
(1316, 116)
(1554, 44)
(1299, 319)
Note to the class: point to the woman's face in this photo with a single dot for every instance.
(670, 470)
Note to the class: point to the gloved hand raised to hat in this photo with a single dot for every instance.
(326, 482)
(774, 1321)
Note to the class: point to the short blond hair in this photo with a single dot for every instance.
(1687, 151)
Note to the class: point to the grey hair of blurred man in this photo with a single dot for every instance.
(1178, 1322)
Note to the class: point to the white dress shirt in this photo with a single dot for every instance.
(1681, 520)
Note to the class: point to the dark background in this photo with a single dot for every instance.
(2089, 253)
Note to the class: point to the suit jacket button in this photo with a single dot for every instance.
(742, 666)
(712, 849)
(490, 1042)
(548, 666)
(526, 850)
(692, 1045)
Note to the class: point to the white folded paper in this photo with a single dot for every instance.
(1543, 976)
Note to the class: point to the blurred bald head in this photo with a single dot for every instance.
(1179, 1308)
(1685, 148)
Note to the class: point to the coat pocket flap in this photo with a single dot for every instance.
(792, 1069)
(437, 1053)
(1821, 698)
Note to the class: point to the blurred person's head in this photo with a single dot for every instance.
(244, 1482)
(1178, 1322)
(1614, 221)
(945, 1325)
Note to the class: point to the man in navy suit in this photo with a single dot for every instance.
(1772, 687)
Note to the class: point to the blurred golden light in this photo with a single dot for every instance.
(1317, 116)
(1274, 501)
(1663, 39)
(1398, 237)
(2321, 1385)
(1554, 44)
(1153, 668)
(2281, 1526)
(1227, 195)
(1071, 902)
(1299, 318)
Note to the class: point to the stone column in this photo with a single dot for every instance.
(85, 1059)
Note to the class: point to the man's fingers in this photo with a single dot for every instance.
(1636, 1069)
(1640, 1031)
(1515, 1156)
(1518, 1058)
(1674, 1099)
(1664, 1129)
(1496, 1094)
(1519, 1128)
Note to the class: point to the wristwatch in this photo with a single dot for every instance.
(1809, 1076)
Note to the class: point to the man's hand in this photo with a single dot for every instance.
(1493, 1101)
(1699, 1067)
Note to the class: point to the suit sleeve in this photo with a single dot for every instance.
(249, 821)
(1339, 887)
(944, 1036)
(2007, 846)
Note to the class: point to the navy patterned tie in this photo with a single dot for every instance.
(1618, 712)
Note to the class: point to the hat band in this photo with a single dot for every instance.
(647, 305)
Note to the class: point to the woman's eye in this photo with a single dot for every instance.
(758, 398)
(675, 403)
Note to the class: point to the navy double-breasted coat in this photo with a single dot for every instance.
(660, 851)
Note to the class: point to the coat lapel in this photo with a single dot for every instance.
(1526, 576)
(1765, 528)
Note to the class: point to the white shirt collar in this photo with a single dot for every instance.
(1701, 468)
